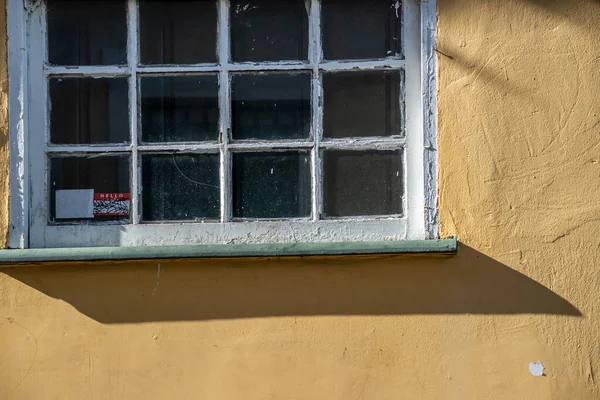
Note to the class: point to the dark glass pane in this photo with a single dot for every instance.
(180, 109)
(92, 32)
(89, 110)
(271, 185)
(269, 30)
(362, 183)
(178, 32)
(361, 104)
(89, 188)
(359, 29)
(271, 106)
(180, 187)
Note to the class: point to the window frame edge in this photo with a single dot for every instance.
(430, 126)
(426, 226)
(17, 62)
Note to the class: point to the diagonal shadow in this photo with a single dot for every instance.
(469, 283)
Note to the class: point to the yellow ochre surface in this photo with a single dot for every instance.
(519, 141)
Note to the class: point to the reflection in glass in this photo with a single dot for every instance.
(87, 32)
(271, 185)
(362, 183)
(89, 110)
(178, 32)
(269, 30)
(361, 104)
(78, 183)
(180, 108)
(359, 29)
(180, 187)
(271, 106)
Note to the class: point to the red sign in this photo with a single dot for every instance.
(111, 204)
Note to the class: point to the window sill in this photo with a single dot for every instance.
(9, 258)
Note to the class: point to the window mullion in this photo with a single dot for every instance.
(132, 60)
(224, 107)
(316, 55)
(107, 71)
(34, 195)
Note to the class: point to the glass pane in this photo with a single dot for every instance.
(89, 110)
(178, 32)
(180, 187)
(359, 29)
(92, 32)
(269, 30)
(362, 183)
(89, 188)
(271, 106)
(271, 185)
(180, 108)
(361, 104)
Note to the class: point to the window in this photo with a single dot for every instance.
(157, 122)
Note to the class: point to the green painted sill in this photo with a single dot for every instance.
(29, 256)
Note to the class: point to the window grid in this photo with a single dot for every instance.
(224, 68)
(31, 148)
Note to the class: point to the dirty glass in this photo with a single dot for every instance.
(92, 188)
(362, 183)
(361, 104)
(89, 110)
(271, 185)
(92, 32)
(269, 30)
(359, 29)
(180, 108)
(180, 187)
(271, 106)
(178, 32)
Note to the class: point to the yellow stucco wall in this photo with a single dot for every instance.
(519, 130)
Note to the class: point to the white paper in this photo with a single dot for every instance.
(74, 203)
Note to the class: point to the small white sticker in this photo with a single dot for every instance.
(71, 204)
(536, 368)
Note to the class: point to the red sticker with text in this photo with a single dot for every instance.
(111, 204)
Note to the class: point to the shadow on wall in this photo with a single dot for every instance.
(470, 283)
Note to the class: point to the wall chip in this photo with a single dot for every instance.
(536, 368)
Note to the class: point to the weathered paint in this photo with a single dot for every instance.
(519, 130)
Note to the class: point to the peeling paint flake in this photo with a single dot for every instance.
(397, 6)
(246, 7)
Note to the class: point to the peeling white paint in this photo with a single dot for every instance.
(246, 7)
(18, 122)
(31, 5)
(397, 6)
(429, 95)
(536, 368)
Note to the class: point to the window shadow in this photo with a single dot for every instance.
(469, 283)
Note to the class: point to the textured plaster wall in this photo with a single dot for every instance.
(519, 129)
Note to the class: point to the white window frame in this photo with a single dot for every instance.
(28, 167)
